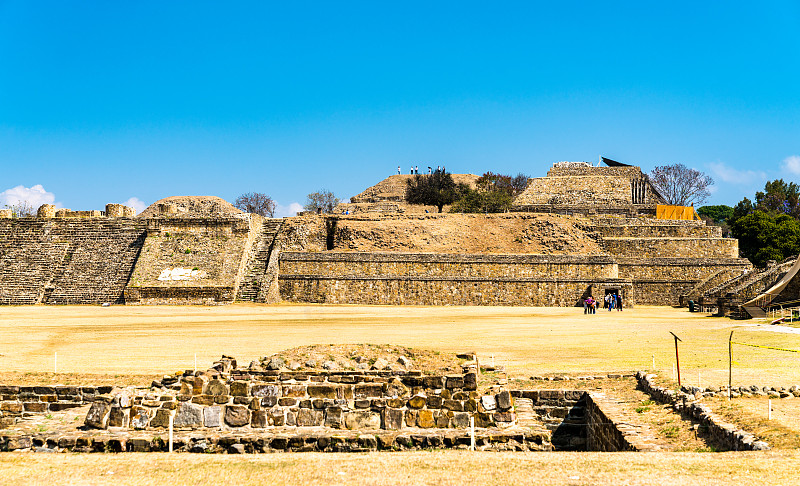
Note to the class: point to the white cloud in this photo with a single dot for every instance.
(282, 211)
(136, 204)
(736, 176)
(792, 164)
(35, 196)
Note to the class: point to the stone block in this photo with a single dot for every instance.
(212, 416)
(392, 419)
(11, 407)
(460, 420)
(488, 403)
(199, 385)
(307, 417)
(454, 381)
(188, 415)
(269, 402)
(44, 390)
(322, 391)
(503, 400)
(265, 390)
(454, 405)
(425, 419)
(417, 402)
(203, 399)
(216, 387)
(240, 388)
(161, 418)
(237, 415)
(98, 414)
(119, 417)
(410, 416)
(434, 401)
(471, 381)
(297, 391)
(368, 390)
(442, 418)
(277, 417)
(140, 418)
(259, 419)
(334, 417)
(433, 382)
(362, 419)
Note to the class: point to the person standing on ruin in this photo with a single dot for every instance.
(398, 170)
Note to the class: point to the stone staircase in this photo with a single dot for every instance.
(256, 279)
(712, 281)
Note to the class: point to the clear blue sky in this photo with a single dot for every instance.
(104, 101)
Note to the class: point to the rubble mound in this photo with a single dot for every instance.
(191, 207)
(498, 234)
(350, 357)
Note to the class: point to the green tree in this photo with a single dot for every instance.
(764, 237)
(779, 197)
(717, 214)
(435, 189)
(482, 201)
(322, 201)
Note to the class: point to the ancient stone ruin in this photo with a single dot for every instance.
(581, 230)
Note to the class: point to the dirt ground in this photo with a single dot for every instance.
(122, 341)
(124, 345)
(456, 468)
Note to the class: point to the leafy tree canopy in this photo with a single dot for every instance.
(322, 201)
(717, 214)
(435, 189)
(764, 236)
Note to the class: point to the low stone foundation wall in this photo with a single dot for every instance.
(724, 434)
(18, 402)
(610, 431)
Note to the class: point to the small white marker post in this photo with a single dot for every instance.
(769, 413)
(171, 418)
(472, 433)
(55, 362)
(654, 362)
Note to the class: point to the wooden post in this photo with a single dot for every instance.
(730, 366)
(677, 357)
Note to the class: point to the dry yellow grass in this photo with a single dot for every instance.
(119, 343)
(436, 467)
(130, 340)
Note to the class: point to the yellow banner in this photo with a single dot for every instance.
(664, 211)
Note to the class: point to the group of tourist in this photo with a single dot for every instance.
(415, 169)
(611, 301)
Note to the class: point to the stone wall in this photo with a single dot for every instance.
(67, 261)
(426, 279)
(673, 247)
(723, 434)
(610, 430)
(191, 260)
(19, 402)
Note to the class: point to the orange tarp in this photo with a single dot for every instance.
(664, 211)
